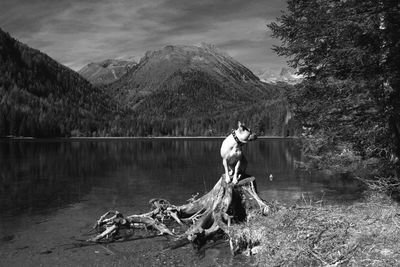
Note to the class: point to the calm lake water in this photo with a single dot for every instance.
(51, 193)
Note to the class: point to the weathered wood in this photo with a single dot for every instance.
(206, 216)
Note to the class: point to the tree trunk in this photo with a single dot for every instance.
(212, 213)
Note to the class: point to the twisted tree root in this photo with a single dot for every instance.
(206, 216)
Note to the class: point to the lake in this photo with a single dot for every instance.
(52, 192)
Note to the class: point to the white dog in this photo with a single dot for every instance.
(231, 152)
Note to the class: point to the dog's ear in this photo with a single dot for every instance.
(241, 125)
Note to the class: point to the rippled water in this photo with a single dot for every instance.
(52, 191)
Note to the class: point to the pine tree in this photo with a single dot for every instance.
(348, 52)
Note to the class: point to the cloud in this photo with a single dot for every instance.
(76, 32)
(178, 17)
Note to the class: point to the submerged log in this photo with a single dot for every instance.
(201, 218)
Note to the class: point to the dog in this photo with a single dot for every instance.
(231, 152)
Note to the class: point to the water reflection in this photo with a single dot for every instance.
(37, 176)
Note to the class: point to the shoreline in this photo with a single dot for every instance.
(87, 138)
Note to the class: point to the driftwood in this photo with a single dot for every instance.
(201, 218)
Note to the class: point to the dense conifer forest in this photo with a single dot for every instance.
(349, 100)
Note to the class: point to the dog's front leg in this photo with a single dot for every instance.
(225, 163)
(235, 174)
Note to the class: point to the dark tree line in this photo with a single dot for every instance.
(349, 53)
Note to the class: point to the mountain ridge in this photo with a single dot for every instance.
(157, 67)
(106, 71)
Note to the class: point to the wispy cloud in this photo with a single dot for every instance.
(76, 32)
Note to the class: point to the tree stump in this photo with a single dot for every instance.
(202, 218)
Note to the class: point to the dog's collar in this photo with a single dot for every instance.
(240, 143)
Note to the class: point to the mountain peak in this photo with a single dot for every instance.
(193, 73)
(285, 74)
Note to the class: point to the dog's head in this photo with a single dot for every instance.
(244, 133)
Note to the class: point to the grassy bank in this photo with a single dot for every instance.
(362, 234)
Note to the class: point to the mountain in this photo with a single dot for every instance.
(178, 90)
(175, 66)
(286, 75)
(106, 71)
(190, 90)
(40, 97)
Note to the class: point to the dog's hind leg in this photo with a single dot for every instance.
(235, 174)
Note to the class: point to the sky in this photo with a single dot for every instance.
(77, 32)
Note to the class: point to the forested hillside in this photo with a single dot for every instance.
(42, 98)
